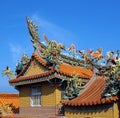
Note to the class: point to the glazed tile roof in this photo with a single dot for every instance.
(67, 69)
(91, 96)
(64, 69)
(11, 99)
(8, 95)
(71, 70)
(22, 78)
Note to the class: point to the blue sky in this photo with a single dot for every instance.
(86, 23)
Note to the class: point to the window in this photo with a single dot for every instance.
(36, 96)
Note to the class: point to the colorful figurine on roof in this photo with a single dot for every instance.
(112, 86)
(109, 66)
(52, 52)
(72, 51)
(22, 63)
(9, 73)
(73, 87)
(33, 30)
(111, 69)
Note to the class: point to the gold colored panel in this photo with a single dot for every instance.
(116, 110)
(35, 68)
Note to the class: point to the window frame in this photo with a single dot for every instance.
(35, 94)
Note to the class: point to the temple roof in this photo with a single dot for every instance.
(92, 95)
(65, 70)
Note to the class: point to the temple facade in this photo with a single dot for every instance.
(75, 84)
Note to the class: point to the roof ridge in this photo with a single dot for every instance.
(40, 60)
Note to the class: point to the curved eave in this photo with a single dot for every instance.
(91, 96)
(91, 103)
(40, 78)
(30, 79)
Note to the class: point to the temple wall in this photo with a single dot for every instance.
(51, 95)
(102, 112)
(38, 112)
(58, 96)
(24, 94)
(116, 110)
(34, 69)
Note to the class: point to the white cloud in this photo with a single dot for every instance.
(16, 52)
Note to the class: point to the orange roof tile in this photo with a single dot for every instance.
(8, 95)
(39, 59)
(71, 70)
(22, 78)
(67, 69)
(91, 96)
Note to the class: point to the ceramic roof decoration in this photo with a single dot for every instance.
(73, 87)
(21, 63)
(9, 73)
(89, 73)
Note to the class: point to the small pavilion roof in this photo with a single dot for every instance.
(92, 95)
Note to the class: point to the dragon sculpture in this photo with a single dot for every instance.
(73, 87)
(22, 63)
(50, 52)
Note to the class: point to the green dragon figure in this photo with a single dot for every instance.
(73, 87)
(52, 52)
